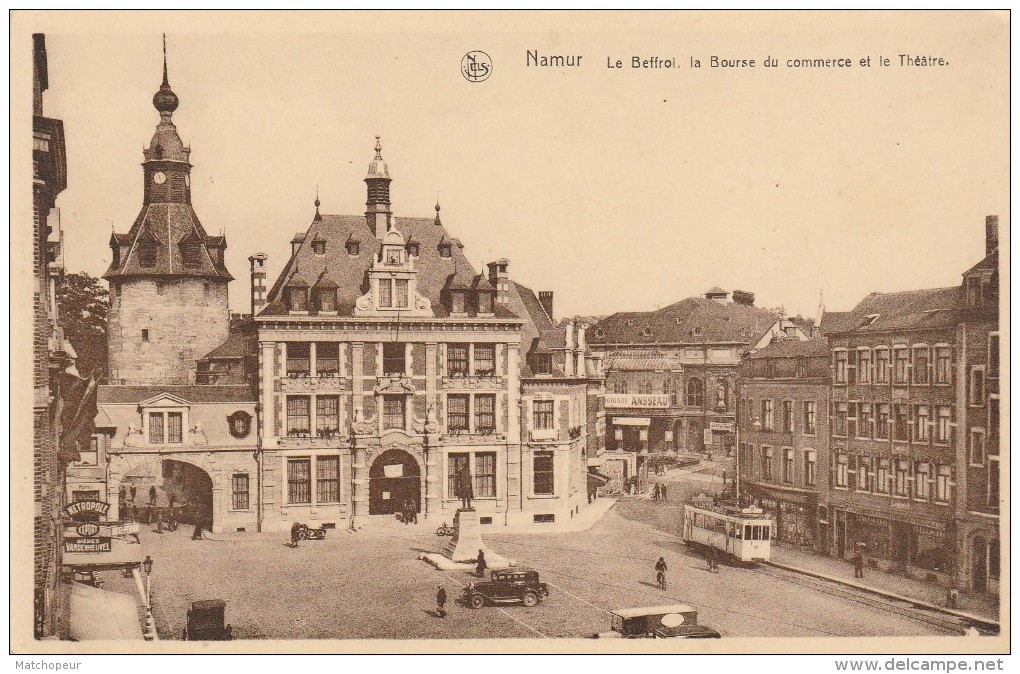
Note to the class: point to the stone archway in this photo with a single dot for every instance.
(393, 479)
(148, 489)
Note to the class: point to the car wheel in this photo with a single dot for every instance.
(529, 599)
(477, 601)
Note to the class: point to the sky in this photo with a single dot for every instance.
(619, 189)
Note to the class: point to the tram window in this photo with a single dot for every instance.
(747, 532)
(765, 533)
(737, 531)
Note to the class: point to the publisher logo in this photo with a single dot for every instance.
(476, 66)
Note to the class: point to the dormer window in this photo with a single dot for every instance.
(319, 247)
(457, 303)
(298, 299)
(394, 256)
(599, 333)
(630, 323)
(393, 293)
(354, 248)
(484, 303)
(543, 363)
(445, 250)
(698, 331)
(191, 253)
(412, 249)
(147, 254)
(646, 332)
(326, 300)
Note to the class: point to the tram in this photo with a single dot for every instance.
(740, 533)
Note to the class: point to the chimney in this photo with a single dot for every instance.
(546, 297)
(582, 341)
(499, 277)
(991, 234)
(258, 282)
(568, 341)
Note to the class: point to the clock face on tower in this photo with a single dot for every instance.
(159, 177)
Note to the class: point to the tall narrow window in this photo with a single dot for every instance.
(839, 419)
(865, 420)
(943, 484)
(920, 365)
(863, 473)
(993, 354)
(766, 462)
(385, 293)
(457, 413)
(767, 418)
(839, 367)
(695, 392)
(921, 421)
(788, 416)
(327, 415)
(943, 427)
(810, 415)
(485, 475)
(788, 466)
(401, 293)
(902, 422)
(239, 491)
(485, 413)
(327, 479)
(298, 299)
(977, 447)
(842, 470)
(922, 474)
(977, 386)
(810, 467)
(882, 365)
(174, 430)
(882, 477)
(882, 421)
(394, 411)
(147, 254)
(864, 366)
(943, 365)
(542, 411)
(485, 360)
(901, 364)
(327, 359)
(156, 436)
(457, 359)
(901, 477)
(299, 480)
(543, 477)
(298, 415)
(993, 482)
(326, 299)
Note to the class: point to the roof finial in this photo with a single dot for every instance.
(317, 216)
(165, 100)
(438, 221)
(378, 148)
(165, 80)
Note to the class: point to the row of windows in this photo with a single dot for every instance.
(148, 254)
(919, 364)
(764, 417)
(327, 416)
(922, 480)
(461, 359)
(787, 467)
(324, 483)
(900, 421)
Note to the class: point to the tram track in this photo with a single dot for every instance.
(950, 622)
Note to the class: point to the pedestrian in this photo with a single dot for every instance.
(134, 512)
(660, 573)
(122, 493)
(148, 514)
(159, 522)
(152, 494)
(413, 510)
(295, 534)
(662, 492)
(173, 499)
(859, 564)
(172, 517)
(655, 492)
(480, 565)
(134, 492)
(197, 536)
(441, 602)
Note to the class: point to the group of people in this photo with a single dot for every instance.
(659, 492)
(409, 512)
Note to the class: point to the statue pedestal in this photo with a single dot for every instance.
(467, 537)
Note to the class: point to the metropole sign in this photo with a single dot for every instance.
(87, 539)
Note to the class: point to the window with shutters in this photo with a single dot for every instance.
(191, 254)
(156, 435)
(174, 427)
(147, 254)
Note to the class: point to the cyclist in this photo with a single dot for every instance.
(660, 573)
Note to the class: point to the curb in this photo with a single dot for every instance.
(889, 595)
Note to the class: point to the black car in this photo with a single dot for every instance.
(505, 587)
(207, 621)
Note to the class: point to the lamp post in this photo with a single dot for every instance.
(354, 450)
(425, 456)
(150, 623)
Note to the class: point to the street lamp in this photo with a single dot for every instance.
(150, 623)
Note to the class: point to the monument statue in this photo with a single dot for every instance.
(464, 488)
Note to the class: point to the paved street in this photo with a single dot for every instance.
(371, 584)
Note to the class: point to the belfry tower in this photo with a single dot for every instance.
(168, 282)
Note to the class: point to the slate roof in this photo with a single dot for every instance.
(642, 364)
(193, 393)
(538, 331)
(436, 274)
(912, 309)
(237, 345)
(794, 348)
(690, 321)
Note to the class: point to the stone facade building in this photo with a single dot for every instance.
(782, 415)
(388, 365)
(671, 375)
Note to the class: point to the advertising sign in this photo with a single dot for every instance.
(87, 544)
(87, 507)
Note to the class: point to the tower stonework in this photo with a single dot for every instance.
(168, 281)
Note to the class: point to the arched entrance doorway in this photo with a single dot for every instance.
(148, 491)
(393, 479)
(979, 565)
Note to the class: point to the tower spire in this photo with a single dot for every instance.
(317, 216)
(166, 82)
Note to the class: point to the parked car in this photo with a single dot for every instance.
(505, 587)
(206, 621)
(674, 621)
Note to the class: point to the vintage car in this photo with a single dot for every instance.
(674, 621)
(505, 587)
(206, 621)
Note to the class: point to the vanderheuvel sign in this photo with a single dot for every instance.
(87, 544)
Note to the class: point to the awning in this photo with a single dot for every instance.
(101, 614)
(596, 478)
(630, 421)
(122, 555)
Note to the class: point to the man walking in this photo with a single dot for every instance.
(859, 564)
(152, 495)
(480, 565)
(662, 492)
(441, 602)
(655, 492)
(295, 534)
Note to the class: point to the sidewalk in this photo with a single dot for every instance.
(830, 568)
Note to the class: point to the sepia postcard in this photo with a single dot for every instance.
(528, 332)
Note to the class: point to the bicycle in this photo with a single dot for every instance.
(444, 530)
(660, 580)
